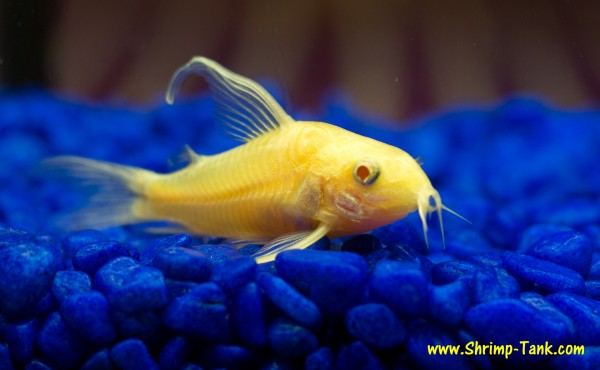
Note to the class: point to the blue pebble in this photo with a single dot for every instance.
(78, 239)
(38, 365)
(595, 271)
(361, 244)
(145, 325)
(479, 362)
(217, 254)
(493, 283)
(420, 335)
(289, 340)
(449, 271)
(202, 313)
(448, 303)
(68, 282)
(358, 356)
(5, 360)
(20, 338)
(191, 366)
(573, 212)
(487, 260)
(592, 290)
(375, 325)
(547, 275)
(267, 268)
(179, 240)
(131, 287)
(235, 273)
(14, 236)
(289, 300)
(400, 232)
(48, 241)
(181, 263)
(59, 344)
(584, 312)
(177, 288)
(132, 354)
(593, 232)
(88, 314)
(45, 305)
(508, 321)
(321, 359)
(570, 249)
(174, 353)
(373, 258)
(467, 244)
(399, 252)
(332, 280)
(323, 244)
(249, 316)
(588, 361)
(537, 231)
(249, 249)
(99, 361)
(24, 268)
(402, 286)
(227, 357)
(92, 256)
(552, 313)
(506, 225)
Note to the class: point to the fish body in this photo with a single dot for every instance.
(290, 184)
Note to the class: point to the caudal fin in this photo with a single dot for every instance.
(112, 190)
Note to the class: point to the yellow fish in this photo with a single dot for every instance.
(289, 185)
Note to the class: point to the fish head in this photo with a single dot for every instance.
(369, 184)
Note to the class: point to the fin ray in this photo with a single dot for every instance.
(113, 189)
(242, 103)
(296, 240)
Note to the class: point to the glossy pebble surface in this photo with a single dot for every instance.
(526, 267)
(131, 287)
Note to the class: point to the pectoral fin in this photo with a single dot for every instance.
(297, 240)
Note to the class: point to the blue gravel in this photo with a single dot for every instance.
(291, 341)
(130, 287)
(132, 354)
(289, 300)
(527, 267)
(181, 263)
(376, 325)
(89, 314)
(26, 273)
(68, 282)
(249, 316)
(408, 283)
(201, 313)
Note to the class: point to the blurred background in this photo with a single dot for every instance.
(394, 59)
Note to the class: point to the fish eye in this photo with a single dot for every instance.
(366, 172)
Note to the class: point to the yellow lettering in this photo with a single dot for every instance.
(509, 351)
(469, 348)
(523, 344)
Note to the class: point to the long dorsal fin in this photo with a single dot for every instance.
(245, 106)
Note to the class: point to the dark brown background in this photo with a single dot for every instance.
(394, 58)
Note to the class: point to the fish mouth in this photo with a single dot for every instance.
(429, 201)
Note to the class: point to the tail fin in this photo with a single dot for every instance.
(112, 191)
